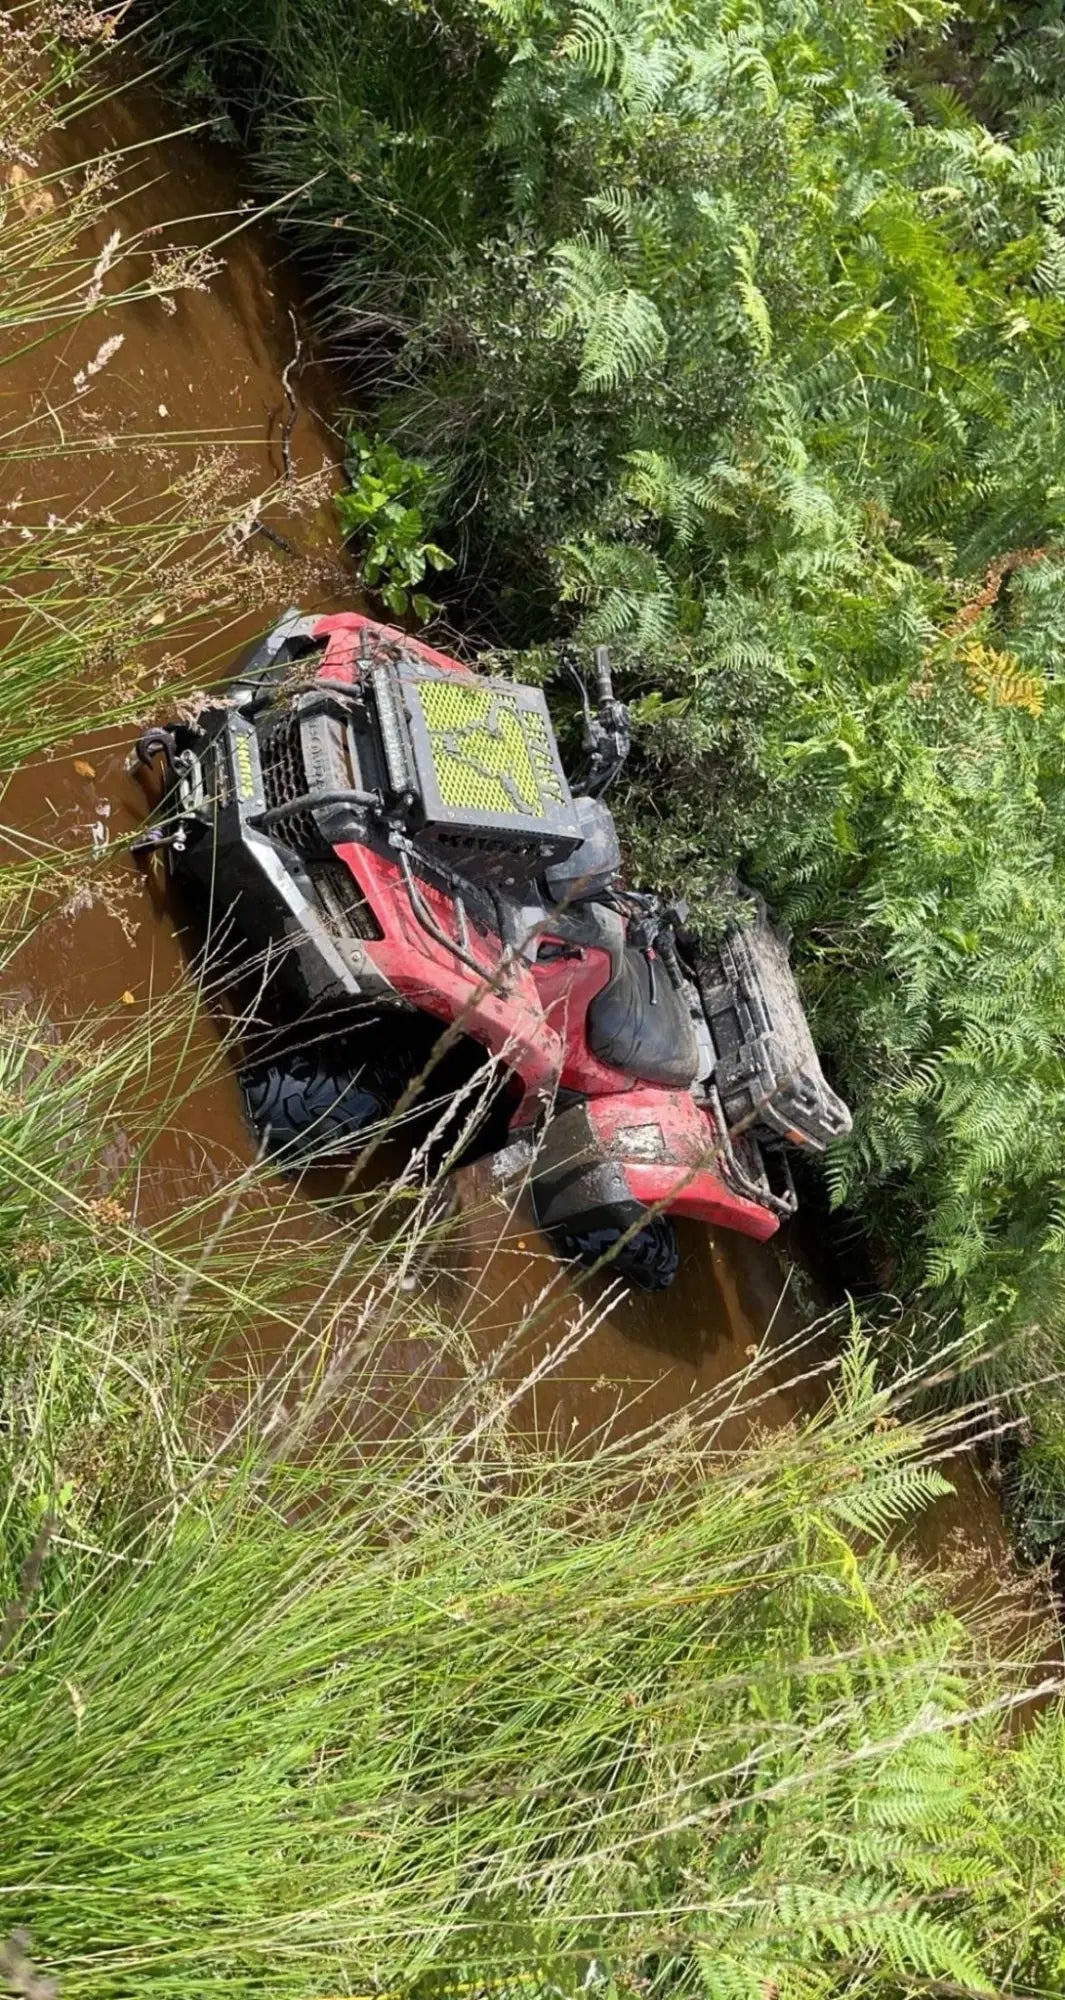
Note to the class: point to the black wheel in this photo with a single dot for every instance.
(649, 1260)
(298, 1108)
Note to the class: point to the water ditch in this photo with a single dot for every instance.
(219, 367)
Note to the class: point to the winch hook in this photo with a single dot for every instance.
(155, 743)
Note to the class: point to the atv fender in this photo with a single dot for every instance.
(604, 1161)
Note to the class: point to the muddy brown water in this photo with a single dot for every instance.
(214, 366)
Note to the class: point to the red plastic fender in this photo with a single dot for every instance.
(667, 1146)
(567, 987)
(507, 1019)
(341, 632)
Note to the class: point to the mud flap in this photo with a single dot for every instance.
(576, 1189)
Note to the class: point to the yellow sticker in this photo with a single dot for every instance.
(245, 774)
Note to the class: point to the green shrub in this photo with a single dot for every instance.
(384, 508)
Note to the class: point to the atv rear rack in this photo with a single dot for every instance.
(754, 1187)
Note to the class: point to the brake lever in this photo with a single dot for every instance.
(569, 666)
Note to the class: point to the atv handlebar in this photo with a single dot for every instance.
(607, 735)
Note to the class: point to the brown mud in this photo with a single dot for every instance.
(214, 368)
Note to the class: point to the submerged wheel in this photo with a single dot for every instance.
(649, 1260)
(298, 1108)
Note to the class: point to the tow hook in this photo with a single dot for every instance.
(156, 743)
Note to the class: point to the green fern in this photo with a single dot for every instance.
(681, 497)
(756, 311)
(621, 329)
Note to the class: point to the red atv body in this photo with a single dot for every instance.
(383, 839)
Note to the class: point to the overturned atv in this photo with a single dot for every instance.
(391, 841)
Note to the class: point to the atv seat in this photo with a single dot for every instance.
(653, 1041)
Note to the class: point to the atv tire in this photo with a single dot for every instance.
(649, 1261)
(299, 1109)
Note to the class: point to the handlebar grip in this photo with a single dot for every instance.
(604, 683)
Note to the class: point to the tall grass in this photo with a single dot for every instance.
(445, 1707)
(307, 1690)
(101, 592)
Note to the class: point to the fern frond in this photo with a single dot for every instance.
(744, 248)
(622, 329)
(999, 678)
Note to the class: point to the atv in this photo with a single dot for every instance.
(387, 842)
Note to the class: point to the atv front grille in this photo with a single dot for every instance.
(487, 765)
(285, 780)
(489, 754)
